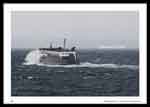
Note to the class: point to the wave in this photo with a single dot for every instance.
(33, 57)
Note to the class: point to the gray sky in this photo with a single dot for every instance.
(82, 29)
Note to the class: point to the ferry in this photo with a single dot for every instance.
(59, 56)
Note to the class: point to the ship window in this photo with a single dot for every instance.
(65, 57)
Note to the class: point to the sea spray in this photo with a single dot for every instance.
(33, 57)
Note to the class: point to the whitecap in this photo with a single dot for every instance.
(33, 57)
(29, 77)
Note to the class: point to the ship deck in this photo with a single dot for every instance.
(55, 49)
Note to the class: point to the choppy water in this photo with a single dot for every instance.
(101, 73)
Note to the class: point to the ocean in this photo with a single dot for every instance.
(100, 73)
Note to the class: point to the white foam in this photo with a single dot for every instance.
(29, 77)
(90, 65)
(33, 57)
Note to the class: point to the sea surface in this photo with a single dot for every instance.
(100, 73)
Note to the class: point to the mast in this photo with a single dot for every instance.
(64, 43)
(50, 45)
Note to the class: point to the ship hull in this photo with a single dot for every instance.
(59, 58)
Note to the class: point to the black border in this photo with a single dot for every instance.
(64, 1)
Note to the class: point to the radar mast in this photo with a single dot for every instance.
(64, 43)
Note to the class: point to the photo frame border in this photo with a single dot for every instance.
(141, 99)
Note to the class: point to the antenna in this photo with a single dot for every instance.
(64, 43)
